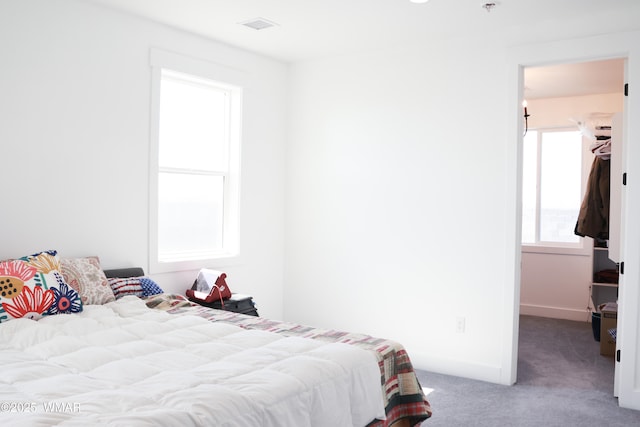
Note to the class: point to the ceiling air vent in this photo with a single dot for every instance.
(258, 23)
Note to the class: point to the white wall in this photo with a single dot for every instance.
(396, 213)
(555, 284)
(74, 111)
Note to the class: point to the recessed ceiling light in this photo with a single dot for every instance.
(258, 23)
(418, 1)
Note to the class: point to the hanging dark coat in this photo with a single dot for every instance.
(593, 219)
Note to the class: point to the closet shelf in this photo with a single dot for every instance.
(608, 285)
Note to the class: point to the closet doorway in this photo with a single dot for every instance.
(565, 104)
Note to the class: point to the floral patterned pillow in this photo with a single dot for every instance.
(86, 276)
(33, 287)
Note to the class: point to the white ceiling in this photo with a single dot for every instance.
(584, 78)
(313, 29)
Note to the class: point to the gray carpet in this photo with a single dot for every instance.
(562, 381)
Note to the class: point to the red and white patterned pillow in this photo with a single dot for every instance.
(127, 286)
(141, 287)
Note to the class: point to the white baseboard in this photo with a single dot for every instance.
(457, 368)
(555, 312)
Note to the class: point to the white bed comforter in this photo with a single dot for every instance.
(124, 364)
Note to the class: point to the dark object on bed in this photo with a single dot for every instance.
(124, 272)
(238, 303)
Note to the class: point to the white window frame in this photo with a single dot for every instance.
(232, 80)
(584, 245)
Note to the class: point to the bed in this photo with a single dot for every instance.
(161, 360)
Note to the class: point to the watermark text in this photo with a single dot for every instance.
(27, 407)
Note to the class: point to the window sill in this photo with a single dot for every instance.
(156, 267)
(556, 250)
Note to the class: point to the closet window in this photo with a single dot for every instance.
(553, 171)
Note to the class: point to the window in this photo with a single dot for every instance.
(553, 175)
(195, 169)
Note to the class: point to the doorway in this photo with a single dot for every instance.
(557, 275)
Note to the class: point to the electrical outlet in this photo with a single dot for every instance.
(460, 324)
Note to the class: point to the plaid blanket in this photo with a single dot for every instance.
(404, 399)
